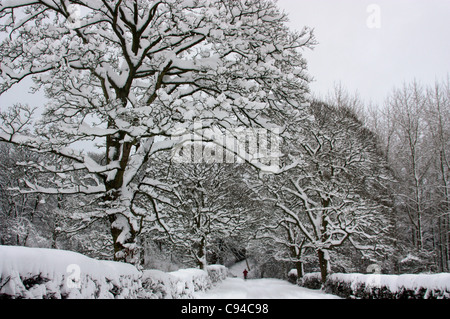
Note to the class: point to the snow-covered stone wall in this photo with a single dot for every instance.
(34, 273)
(380, 286)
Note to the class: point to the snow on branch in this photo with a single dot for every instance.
(128, 76)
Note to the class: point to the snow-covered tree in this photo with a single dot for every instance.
(339, 196)
(22, 216)
(408, 105)
(438, 119)
(126, 76)
(209, 203)
(413, 129)
(287, 242)
(40, 220)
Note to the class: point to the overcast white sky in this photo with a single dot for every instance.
(412, 42)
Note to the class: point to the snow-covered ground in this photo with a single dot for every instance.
(238, 288)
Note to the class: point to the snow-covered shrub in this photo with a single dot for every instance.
(189, 281)
(181, 284)
(34, 273)
(312, 280)
(377, 286)
(156, 284)
(217, 273)
(292, 276)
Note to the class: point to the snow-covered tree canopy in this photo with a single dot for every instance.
(212, 203)
(129, 75)
(339, 195)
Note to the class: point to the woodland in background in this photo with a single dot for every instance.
(413, 127)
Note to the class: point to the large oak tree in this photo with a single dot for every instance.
(127, 76)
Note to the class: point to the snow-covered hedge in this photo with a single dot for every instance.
(379, 286)
(181, 284)
(311, 281)
(34, 273)
(217, 273)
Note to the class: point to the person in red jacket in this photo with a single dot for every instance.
(245, 274)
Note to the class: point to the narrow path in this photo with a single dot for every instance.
(237, 288)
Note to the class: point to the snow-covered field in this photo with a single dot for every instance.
(238, 288)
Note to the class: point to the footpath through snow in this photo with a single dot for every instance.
(254, 288)
(237, 288)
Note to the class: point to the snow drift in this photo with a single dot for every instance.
(35, 273)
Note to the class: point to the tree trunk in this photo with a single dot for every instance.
(323, 264)
(201, 254)
(246, 262)
(446, 211)
(124, 240)
(299, 267)
(124, 235)
(54, 239)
